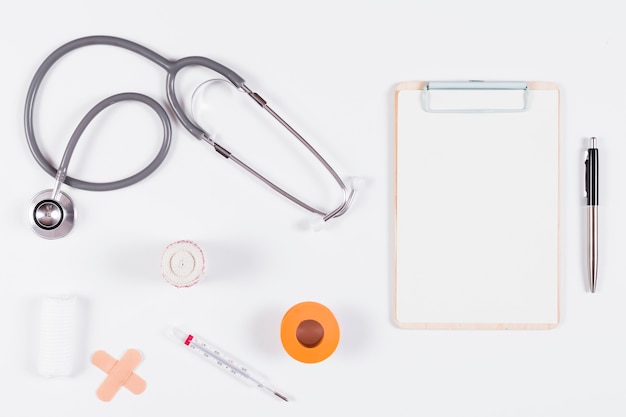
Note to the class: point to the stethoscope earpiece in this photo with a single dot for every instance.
(51, 218)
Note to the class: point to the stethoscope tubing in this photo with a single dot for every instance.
(171, 67)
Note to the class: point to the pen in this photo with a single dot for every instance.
(591, 191)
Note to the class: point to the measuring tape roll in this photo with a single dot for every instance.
(309, 332)
(182, 263)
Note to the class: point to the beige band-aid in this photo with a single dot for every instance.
(120, 373)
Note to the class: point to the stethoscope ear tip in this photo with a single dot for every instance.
(317, 224)
(51, 218)
(356, 183)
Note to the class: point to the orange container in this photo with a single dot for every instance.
(309, 332)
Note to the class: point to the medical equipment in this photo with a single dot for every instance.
(309, 332)
(52, 211)
(182, 263)
(223, 360)
(59, 336)
(119, 373)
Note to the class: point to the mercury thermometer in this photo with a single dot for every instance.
(222, 359)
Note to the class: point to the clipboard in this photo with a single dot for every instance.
(477, 205)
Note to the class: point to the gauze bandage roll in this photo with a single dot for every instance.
(182, 263)
(59, 336)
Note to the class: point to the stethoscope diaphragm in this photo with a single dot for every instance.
(51, 218)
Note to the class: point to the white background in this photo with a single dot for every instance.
(330, 68)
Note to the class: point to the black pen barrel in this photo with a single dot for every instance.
(592, 180)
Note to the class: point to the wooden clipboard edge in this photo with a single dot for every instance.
(476, 326)
(419, 85)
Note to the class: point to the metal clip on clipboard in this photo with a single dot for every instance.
(482, 97)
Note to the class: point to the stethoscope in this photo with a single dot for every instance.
(52, 211)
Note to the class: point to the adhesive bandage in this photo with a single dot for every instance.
(120, 373)
(182, 263)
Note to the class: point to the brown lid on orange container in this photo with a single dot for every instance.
(309, 332)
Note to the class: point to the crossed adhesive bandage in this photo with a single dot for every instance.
(120, 373)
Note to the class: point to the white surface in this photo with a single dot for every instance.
(477, 212)
(330, 67)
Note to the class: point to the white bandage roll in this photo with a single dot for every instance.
(59, 336)
(182, 263)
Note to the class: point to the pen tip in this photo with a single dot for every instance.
(282, 397)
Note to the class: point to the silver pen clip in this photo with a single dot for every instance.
(586, 162)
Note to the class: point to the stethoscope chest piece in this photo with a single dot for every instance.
(51, 218)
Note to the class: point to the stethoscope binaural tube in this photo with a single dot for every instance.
(51, 208)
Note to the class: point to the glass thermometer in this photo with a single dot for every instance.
(223, 360)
